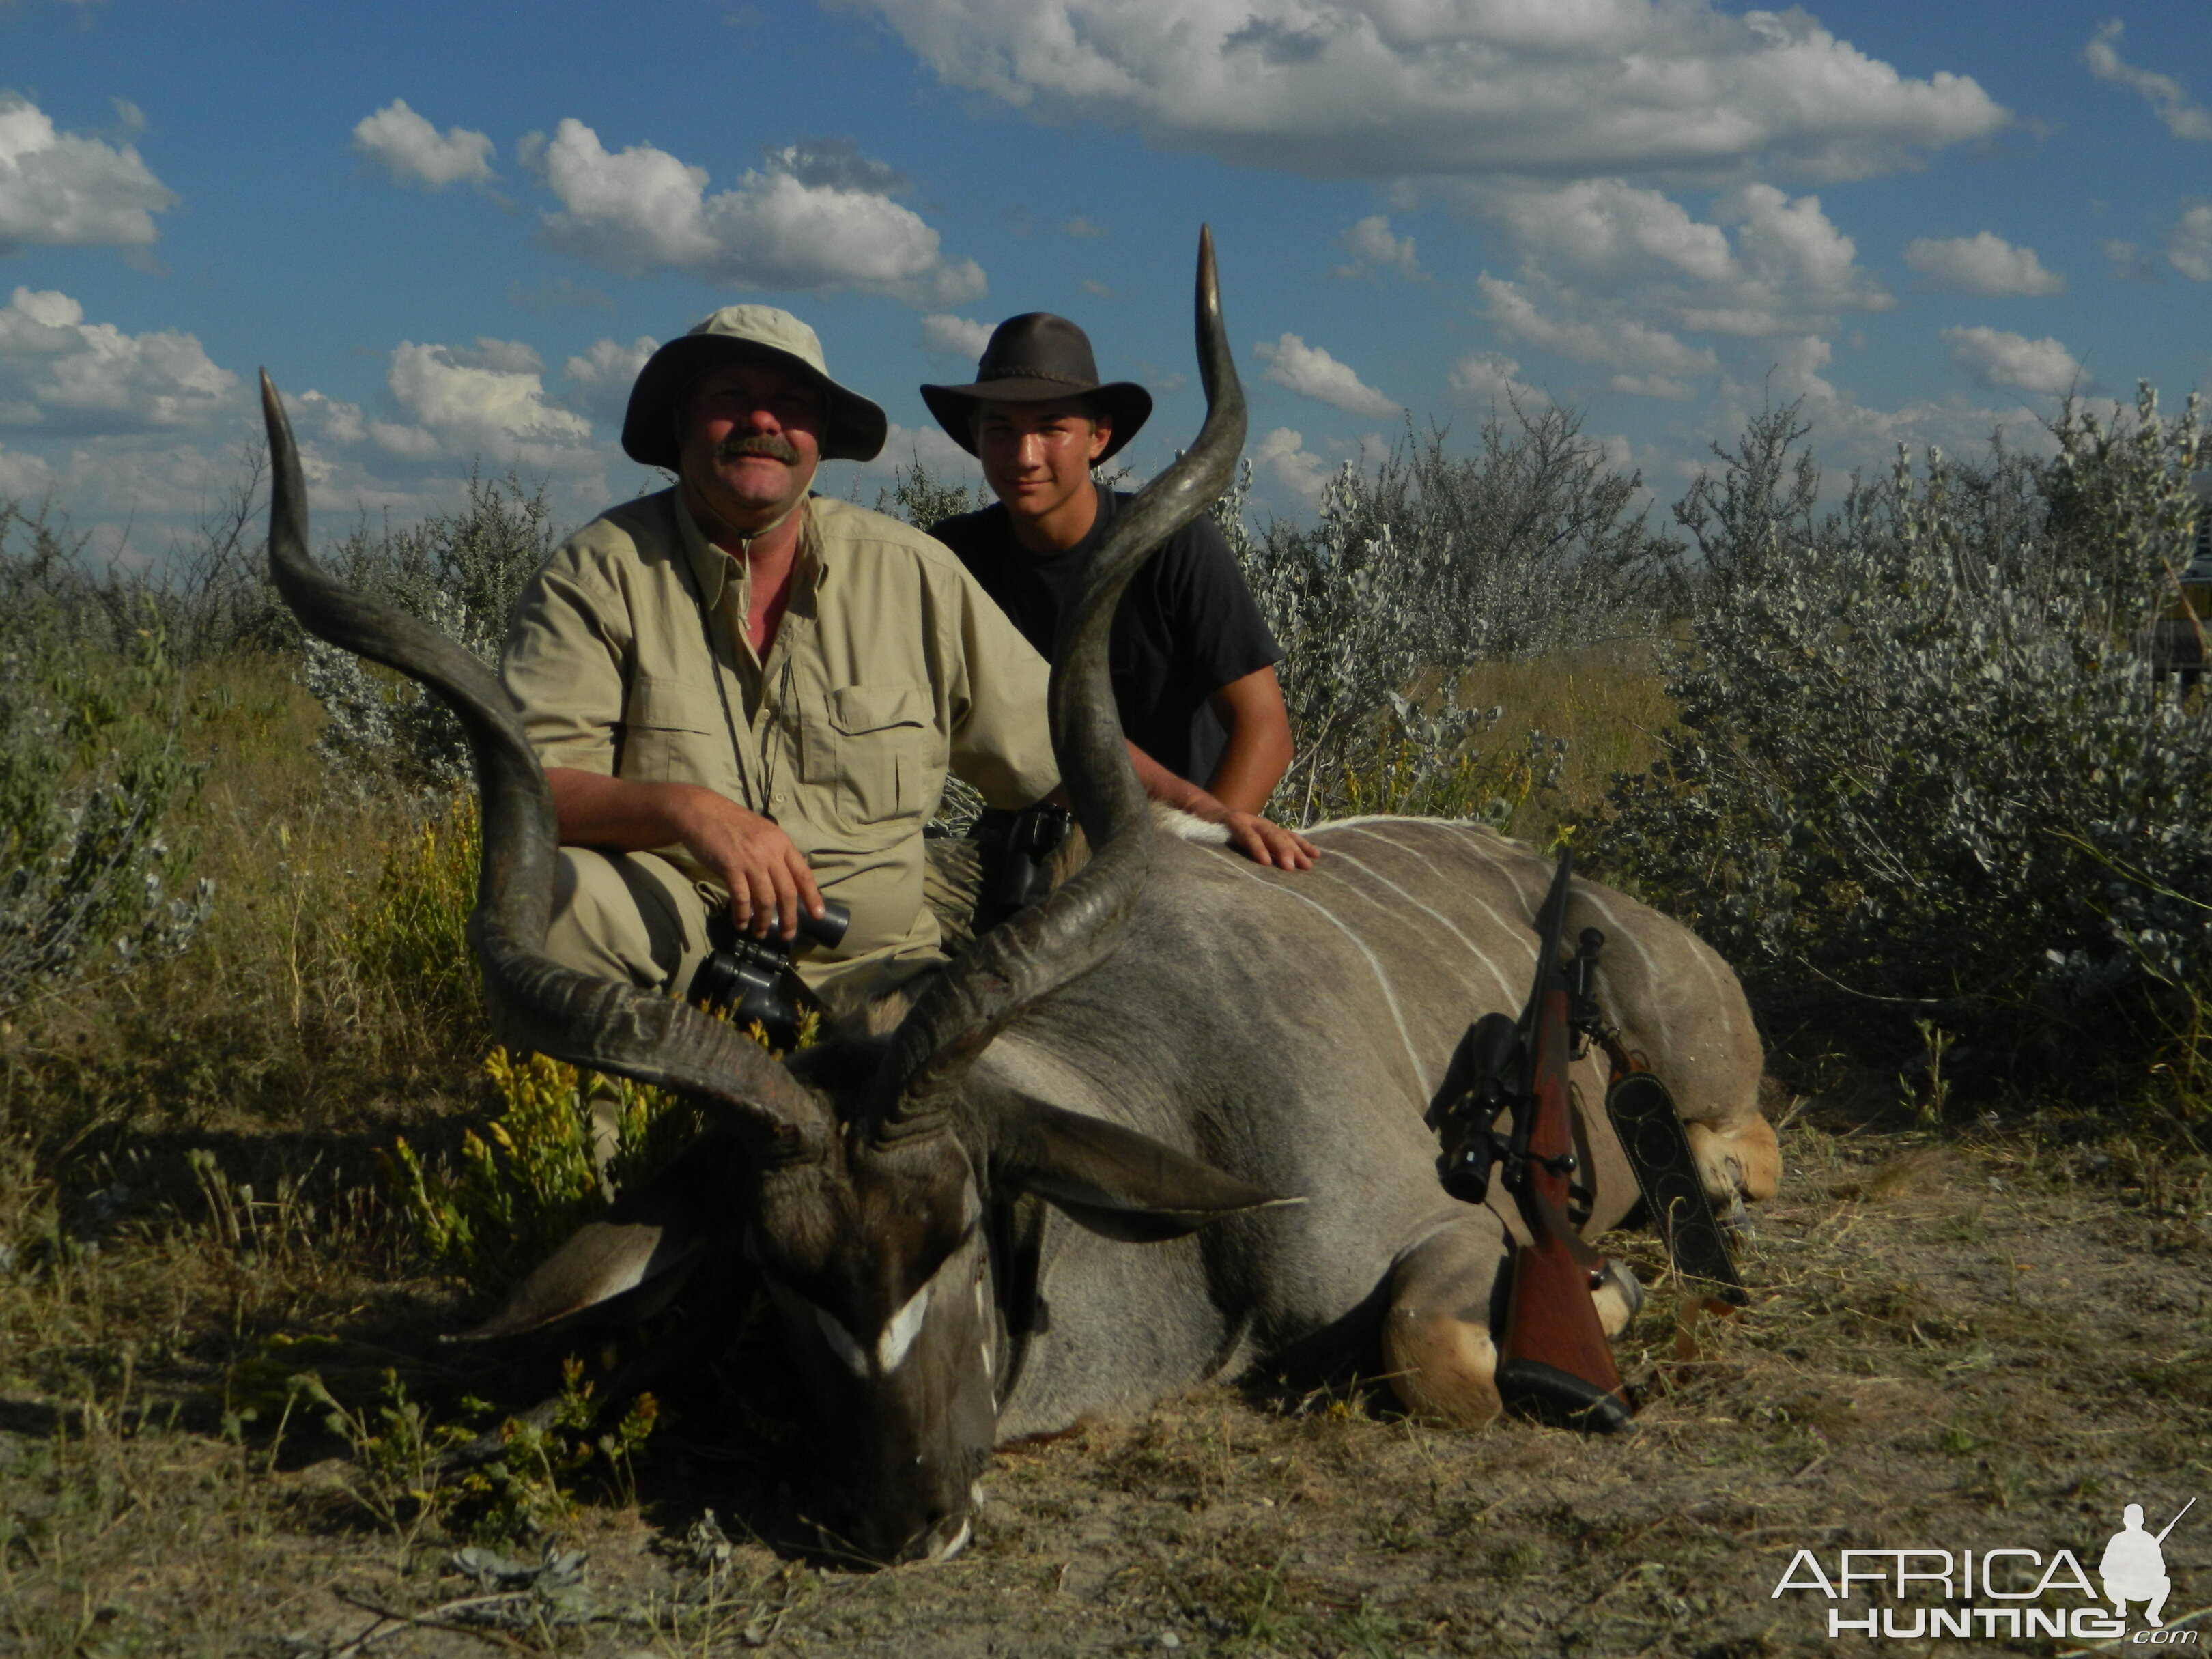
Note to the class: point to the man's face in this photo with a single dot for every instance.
(751, 437)
(1038, 456)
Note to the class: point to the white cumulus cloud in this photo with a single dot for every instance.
(603, 374)
(1615, 274)
(813, 216)
(414, 153)
(61, 374)
(2167, 97)
(1984, 263)
(927, 446)
(490, 402)
(1373, 249)
(2188, 244)
(1996, 358)
(1654, 385)
(1604, 234)
(58, 189)
(1490, 379)
(1612, 342)
(1394, 88)
(1312, 373)
(946, 335)
(1282, 455)
(22, 475)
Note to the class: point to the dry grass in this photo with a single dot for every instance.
(1953, 1341)
(1608, 704)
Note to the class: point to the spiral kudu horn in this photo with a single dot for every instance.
(1051, 943)
(537, 1004)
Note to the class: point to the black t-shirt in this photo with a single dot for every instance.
(1187, 625)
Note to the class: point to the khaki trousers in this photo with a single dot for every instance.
(635, 918)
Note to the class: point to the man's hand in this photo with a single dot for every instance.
(767, 876)
(1259, 840)
(1264, 841)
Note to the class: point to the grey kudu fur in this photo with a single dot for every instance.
(1063, 1184)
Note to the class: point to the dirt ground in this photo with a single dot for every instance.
(1963, 1340)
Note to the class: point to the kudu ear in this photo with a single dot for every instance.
(651, 1237)
(1115, 1180)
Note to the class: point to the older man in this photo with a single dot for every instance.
(745, 694)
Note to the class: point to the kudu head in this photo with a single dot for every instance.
(858, 1179)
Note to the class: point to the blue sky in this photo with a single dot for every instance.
(452, 231)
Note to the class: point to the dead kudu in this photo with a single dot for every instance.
(1058, 1186)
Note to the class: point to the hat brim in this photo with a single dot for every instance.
(1126, 406)
(854, 431)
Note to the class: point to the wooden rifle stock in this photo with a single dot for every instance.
(1556, 1364)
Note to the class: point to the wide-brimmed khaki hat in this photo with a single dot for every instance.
(1038, 358)
(856, 427)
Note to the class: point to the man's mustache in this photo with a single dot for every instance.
(757, 443)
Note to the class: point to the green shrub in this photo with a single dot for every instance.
(405, 1479)
(410, 935)
(532, 1177)
(1925, 763)
(92, 779)
(460, 572)
(925, 501)
(1430, 565)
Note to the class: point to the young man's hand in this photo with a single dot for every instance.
(1259, 840)
(1266, 843)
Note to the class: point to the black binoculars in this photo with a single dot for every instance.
(751, 978)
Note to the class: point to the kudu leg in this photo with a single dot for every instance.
(1437, 1348)
(1436, 1344)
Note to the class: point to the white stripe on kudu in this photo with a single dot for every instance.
(1614, 930)
(1338, 855)
(1513, 926)
(1244, 870)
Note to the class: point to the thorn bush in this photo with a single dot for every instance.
(1926, 764)
(1533, 545)
(92, 776)
(460, 572)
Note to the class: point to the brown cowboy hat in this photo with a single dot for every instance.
(1036, 358)
(855, 429)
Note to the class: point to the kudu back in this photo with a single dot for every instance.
(1160, 1128)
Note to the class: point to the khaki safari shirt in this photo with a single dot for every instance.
(889, 664)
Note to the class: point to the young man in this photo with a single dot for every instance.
(1193, 660)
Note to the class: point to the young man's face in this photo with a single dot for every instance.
(1037, 457)
(751, 436)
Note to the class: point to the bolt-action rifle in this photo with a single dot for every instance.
(1555, 1363)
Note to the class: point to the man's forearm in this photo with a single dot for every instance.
(1163, 786)
(767, 877)
(593, 809)
(1249, 767)
(1257, 839)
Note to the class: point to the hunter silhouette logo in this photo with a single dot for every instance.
(2134, 1567)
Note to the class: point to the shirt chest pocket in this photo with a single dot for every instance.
(874, 748)
(673, 732)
